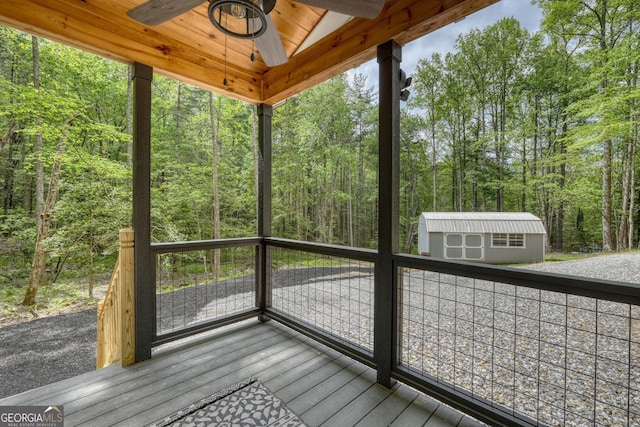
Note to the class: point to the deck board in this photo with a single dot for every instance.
(324, 410)
(171, 387)
(321, 385)
(443, 417)
(413, 414)
(387, 411)
(352, 413)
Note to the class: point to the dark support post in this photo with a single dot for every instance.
(263, 270)
(385, 322)
(145, 297)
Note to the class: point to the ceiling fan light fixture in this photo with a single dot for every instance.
(238, 11)
(243, 19)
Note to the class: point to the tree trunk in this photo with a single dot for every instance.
(8, 134)
(349, 208)
(38, 263)
(176, 144)
(360, 204)
(42, 224)
(561, 184)
(90, 266)
(38, 145)
(256, 154)
(626, 208)
(331, 204)
(607, 199)
(414, 200)
(434, 168)
(127, 115)
(9, 176)
(523, 192)
(214, 117)
(632, 184)
(607, 149)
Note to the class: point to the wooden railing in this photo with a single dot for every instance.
(116, 317)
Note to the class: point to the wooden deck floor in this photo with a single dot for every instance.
(320, 385)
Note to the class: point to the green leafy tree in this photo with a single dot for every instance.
(604, 31)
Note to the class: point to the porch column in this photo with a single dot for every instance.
(385, 322)
(145, 298)
(263, 270)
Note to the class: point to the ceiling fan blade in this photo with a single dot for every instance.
(155, 12)
(361, 8)
(270, 45)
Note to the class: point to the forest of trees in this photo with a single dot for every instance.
(545, 123)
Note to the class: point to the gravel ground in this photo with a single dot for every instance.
(623, 267)
(561, 361)
(50, 349)
(46, 350)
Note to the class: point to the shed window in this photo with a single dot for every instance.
(511, 240)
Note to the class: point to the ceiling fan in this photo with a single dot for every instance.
(249, 19)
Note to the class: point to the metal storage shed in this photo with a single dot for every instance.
(491, 237)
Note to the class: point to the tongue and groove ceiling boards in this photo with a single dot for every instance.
(318, 43)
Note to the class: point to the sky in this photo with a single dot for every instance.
(443, 40)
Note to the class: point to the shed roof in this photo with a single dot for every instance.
(483, 222)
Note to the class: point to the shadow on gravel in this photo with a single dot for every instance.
(46, 350)
(184, 306)
(50, 349)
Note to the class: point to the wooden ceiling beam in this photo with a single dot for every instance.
(356, 42)
(189, 49)
(81, 25)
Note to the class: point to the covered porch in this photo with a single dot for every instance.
(502, 346)
(342, 333)
(320, 385)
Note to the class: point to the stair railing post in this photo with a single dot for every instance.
(126, 299)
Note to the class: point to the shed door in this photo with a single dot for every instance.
(463, 246)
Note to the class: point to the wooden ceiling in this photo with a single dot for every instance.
(189, 48)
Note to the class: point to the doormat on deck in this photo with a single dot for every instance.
(247, 403)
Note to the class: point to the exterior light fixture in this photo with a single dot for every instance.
(243, 19)
(405, 82)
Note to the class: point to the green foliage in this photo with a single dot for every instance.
(17, 234)
(517, 122)
(507, 121)
(324, 164)
(182, 189)
(94, 200)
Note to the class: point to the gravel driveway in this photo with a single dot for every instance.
(622, 267)
(46, 350)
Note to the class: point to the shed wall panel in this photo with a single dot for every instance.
(533, 251)
(436, 245)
